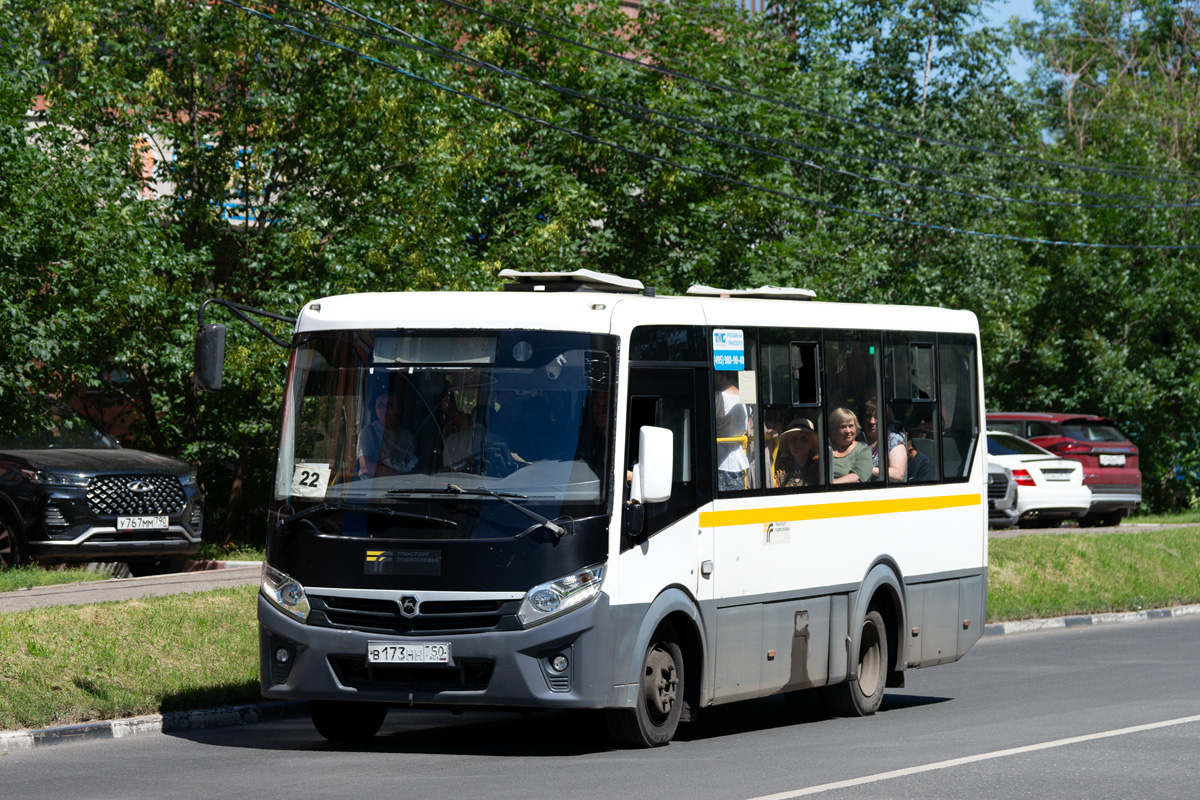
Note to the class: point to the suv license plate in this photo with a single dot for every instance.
(142, 523)
(423, 653)
(1112, 461)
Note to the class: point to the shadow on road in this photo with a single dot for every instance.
(542, 734)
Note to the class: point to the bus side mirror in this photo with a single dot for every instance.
(210, 357)
(653, 472)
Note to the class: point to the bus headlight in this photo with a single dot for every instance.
(560, 596)
(284, 592)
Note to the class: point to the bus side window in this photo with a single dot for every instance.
(790, 409)
(736, 418)
(851, 360)
(959, 404)
(910, 384)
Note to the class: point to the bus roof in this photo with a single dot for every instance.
(592, 302)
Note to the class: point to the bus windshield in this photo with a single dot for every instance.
(414, 419)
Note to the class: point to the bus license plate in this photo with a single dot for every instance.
(1112, 461)
(423, 653)
(142, 523)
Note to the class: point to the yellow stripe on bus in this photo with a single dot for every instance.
(861, 508)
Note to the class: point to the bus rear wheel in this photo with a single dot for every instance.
(340, 721)
(862, 696)
(655, 718)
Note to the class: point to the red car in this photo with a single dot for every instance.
(1110, 460)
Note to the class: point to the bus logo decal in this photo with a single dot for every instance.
(403, 562)
(409, 606)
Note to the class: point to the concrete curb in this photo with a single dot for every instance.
(1031, 625)
(153, 723)
(263, 712)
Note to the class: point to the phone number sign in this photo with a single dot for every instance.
(729, 350)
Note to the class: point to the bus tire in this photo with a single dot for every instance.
(339, 721)
(652, 722)
(861, 696)
(10, 543)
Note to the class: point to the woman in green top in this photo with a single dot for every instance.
(851, 458)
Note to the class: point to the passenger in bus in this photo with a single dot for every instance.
(920, 466)
(851, 458)
(732, 424)
(797, 462)
(385, 447)
(897, 458)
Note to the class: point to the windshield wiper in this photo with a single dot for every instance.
(329, 508)
(503, 497)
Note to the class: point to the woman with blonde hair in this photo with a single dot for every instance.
(851, 458)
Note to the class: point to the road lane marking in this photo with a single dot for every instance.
(956, 762)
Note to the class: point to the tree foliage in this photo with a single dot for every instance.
(184, 150)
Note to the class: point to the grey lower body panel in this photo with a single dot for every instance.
(499, 668)
(945, 618)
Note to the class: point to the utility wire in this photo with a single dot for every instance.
(738, 22)
(685, 168)
(644, 114)
(810, 111)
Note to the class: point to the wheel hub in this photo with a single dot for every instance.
(660, 682)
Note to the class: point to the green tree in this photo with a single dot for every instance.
(1113, 330)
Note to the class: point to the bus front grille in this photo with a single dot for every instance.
(469, 674)
(373, 615)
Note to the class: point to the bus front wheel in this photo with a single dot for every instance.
(655, 718)
(340, 721)
(861, 697)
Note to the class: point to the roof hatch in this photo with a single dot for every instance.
(578, 280)
(770, 292)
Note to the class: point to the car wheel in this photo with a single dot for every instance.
(340, 721)
(655, 718)
(10, 543)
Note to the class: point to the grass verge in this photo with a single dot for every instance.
(232, 551)
(1051, 576)
(31, 575)
(69, 664)
(111, 660)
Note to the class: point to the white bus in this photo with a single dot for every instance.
(577, 494)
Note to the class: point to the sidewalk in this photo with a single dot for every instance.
(203, 576)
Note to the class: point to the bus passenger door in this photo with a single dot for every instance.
(668, 397)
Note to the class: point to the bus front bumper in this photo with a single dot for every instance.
(521, 668)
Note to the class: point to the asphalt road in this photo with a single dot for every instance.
(1096, 712)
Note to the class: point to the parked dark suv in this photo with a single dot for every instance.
(70, 493)
(1110, 460)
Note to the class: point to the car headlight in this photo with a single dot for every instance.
(284, 592)
(188, 480)
(560, 596)
(44, 478)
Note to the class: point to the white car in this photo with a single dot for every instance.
(1002, 497)
(1049, 488)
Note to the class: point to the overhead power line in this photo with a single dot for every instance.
(639, 113)
(811, 111)
(683, 167)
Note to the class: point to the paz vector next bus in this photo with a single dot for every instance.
(577, 494)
